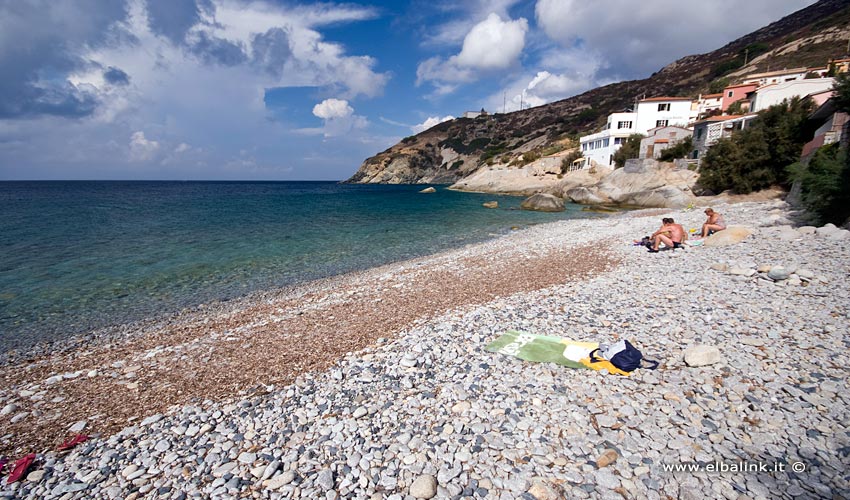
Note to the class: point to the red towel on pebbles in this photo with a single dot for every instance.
(21, 468)
(67, 445)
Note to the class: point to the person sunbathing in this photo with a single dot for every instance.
(713, 224)
(670, 233)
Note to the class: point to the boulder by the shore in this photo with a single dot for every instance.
(729, 236)
(641, 183)
(490, 204)
(543, 202)
(428, 190)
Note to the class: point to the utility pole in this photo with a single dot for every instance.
(504, 102)
(521, 94)
(746, 55)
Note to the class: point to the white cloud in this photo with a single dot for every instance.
(491, 45)
(638, 40)
(463, 16)
(430, 122)
(333, 108)
(339, 117)
(142, 149)
(182, 148)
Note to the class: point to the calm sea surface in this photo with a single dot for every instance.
(80, 255)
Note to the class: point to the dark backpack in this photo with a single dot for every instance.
(623, 355)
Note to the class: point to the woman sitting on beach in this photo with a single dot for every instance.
(713, 224)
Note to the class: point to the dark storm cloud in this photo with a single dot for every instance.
(173, 18)
(40, 42)
(115, 76)
(214, 50)
(271, 50)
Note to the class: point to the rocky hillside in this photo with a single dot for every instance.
(458, 148)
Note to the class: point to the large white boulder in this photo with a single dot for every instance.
(543, 202)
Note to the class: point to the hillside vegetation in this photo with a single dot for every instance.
(455, 149)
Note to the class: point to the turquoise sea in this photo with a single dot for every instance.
(80, 255)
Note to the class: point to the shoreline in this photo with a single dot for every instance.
(128, 330)
(411, 391)
(322, 302)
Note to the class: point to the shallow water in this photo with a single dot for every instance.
(81, 255)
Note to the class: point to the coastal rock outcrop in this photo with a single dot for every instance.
(490, 204)
(543, 202)
(642, 183)
(428, 190)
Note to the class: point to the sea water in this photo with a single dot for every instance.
(75, 256)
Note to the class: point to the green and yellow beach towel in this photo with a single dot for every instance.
(546, 349)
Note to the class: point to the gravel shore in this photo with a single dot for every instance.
(377, 385)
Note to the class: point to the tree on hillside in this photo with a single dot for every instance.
(825, 181)
(842, 92)
(756, 157)
(630, 149)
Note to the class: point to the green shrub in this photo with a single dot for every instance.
(630, 149)
(568, 160)
(680, 149)
(825, 185)
(717, 86)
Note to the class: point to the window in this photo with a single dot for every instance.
(618, 140)
(624, 125)
(664, 106)
(584, 147)
(661, 123)
(605, 142)
(698, 133)
(729, 94)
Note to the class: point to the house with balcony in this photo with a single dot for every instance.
(709, 104)
(707, 132)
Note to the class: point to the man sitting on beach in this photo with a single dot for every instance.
(670, 233)
(713, 224)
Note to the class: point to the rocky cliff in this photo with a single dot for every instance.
(508, 152)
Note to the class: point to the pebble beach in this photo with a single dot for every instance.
(376, 385)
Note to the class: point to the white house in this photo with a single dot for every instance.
(770, 95)
(650, 113)
(599, 148)
(664, 112)
(474, 114)
(781, 76)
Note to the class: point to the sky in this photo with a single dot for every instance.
(280, 90)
